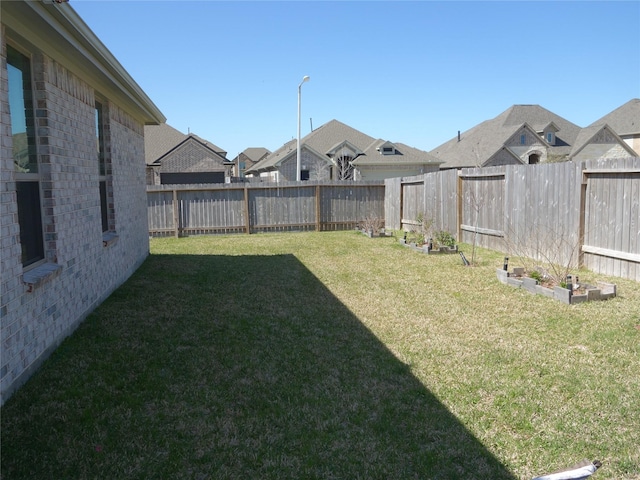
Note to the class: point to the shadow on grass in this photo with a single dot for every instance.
(231, 367)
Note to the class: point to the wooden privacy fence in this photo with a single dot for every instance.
(177, 210)
(578, 214)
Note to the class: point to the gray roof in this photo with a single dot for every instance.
(161, 139)
(273, 158)
(624, 120)
(320, 140)
(403, 155)
(481, 142)
(332, 135)
(254, 154)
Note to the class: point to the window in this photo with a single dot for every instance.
(102, 167)
(387, 150)
(304, 174)
(25, 157)
(550, 138)
(523, 139)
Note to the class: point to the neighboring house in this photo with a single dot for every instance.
(247, 159)
(336, 151)
(388, 160)
(529, 134)
(73, 203)
(625, 121)
(173, 157)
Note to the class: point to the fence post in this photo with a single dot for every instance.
(318, 207)
(459, 206)
(401, 203)
(582, 219)
(176, 215)
(246, 209)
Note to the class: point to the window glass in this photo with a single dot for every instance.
(24, 157)
(31, 240)
(21, 107)
(102, 167)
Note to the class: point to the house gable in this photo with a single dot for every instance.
(191, 156)
(344, 148)
(387, 148)
(314, 164)
(548, 133)
(625, 121)
(525, 144)
(504, 156)
(600, 142)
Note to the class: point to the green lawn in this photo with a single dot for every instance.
(335, 356)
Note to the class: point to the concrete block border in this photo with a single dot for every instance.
(602, 291)
(429, 251)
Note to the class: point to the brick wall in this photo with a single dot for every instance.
(33, 323)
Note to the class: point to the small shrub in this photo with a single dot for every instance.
(372, 224)
(445, 239)
(536, 275)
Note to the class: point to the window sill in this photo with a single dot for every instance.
(109, 238)
(40, 274)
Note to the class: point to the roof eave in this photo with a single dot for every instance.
(59, 32)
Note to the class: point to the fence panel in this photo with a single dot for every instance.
(412, 206)
(542, 212)
(211, 211)
(160, 213)
(482, 196)
(282, 209)
(343, 206)
(207, 209)
(392, 187)
(612, 217)
(441, 199)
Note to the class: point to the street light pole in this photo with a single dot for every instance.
(304, 79)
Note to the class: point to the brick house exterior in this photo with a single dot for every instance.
(84, 118)
(173, 157)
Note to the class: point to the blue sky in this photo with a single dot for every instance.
(413, 72)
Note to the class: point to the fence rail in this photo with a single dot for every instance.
(578, 214)
(178, 210)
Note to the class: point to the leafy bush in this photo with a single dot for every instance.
(444, 239)
(536, 275)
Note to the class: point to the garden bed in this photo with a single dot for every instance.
(374, 233)
(426, 248)
(579, 293)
